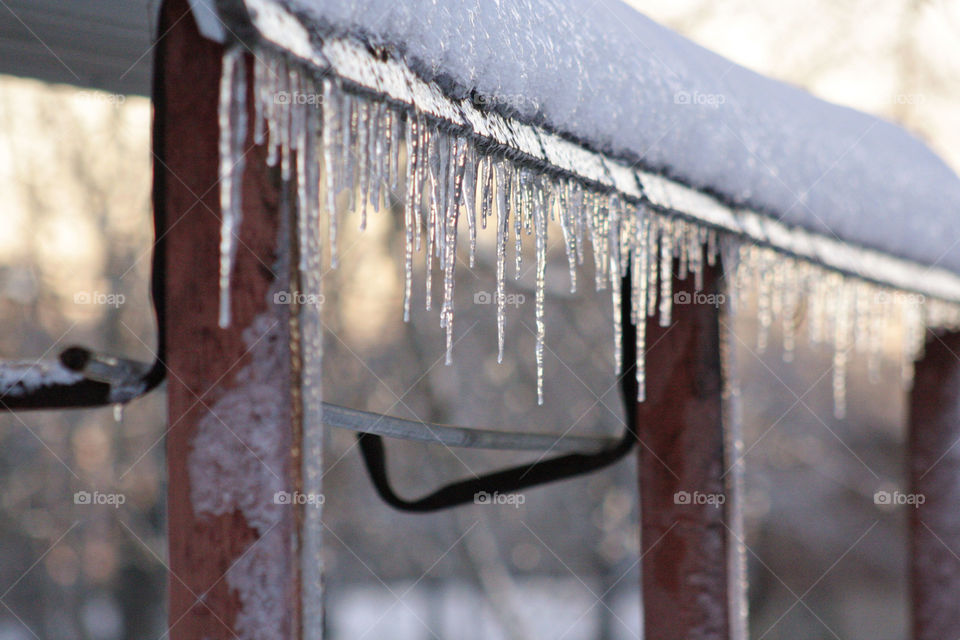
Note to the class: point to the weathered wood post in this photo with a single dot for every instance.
(233, 565)
(934, 469)
(681, 466)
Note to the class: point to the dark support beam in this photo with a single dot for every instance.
(934, 464)
(683, 537)
(208, 550)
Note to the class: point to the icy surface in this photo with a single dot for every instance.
(604, 74)
(348, 135)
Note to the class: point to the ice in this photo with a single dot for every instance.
(232, 116)
(351, 142)
(640, 92)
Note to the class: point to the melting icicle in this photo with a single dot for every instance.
(502, 188)
(363, 130)
(470, 200)
(330, 118)
(615, 292)
(232, 117)
(640, 282)
(540, 221)
(666, 273)
(517, 218)
(457, 168)
(841, 347)
(412, 140)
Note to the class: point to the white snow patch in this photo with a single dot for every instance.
(237, 464)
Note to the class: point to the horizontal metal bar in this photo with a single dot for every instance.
(461, 437)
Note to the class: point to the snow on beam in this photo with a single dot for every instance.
(760, 158)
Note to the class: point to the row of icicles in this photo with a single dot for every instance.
(371, 148)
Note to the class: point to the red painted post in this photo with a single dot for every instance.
(683, 537)
(934, 468)
(209, 552)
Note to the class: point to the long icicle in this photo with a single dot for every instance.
(502, 187)
(232, 116)
(540, 224)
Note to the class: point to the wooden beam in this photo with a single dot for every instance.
(683, 537)
(934, 469)
(216, 551)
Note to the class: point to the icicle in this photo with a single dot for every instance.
(422, 150)
(330, 118)
(764, 300)
(615, 285)
(487, 198)
(394, 170)
(363, 159)
(639, 299)
(666, 273)
(697, 240)
(232, 117)
(517, 218)
(411, 203)
(841, 348)
(288, 89)
(681, 242)
(277, 78)
(540, 221)
(569, 243)
(791, 296)
(378, 153)
(653, 265)
(348, 137)
(458, 167)
(712, 247)
(259, 99)
(502, 184)
(433, 163)
(470, 199)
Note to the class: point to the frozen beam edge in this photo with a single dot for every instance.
(353, 63)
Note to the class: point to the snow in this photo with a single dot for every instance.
(22, 378)
(601, 73)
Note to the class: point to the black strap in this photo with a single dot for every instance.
(522, 476)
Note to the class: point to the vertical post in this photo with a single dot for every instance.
(934, 469)
(683, 537)
(233, 549)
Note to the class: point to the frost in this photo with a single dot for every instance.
(447, 176)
